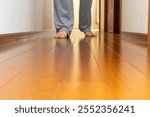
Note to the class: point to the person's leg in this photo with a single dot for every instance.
(63, 17)
(85, 17)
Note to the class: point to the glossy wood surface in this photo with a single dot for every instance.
(109, 66)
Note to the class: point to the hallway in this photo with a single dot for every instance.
(109, 66)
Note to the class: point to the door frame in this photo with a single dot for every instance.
(120, 18)
(117, 15)
(148, 37)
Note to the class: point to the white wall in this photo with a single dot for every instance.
(22, 16)
(135, 16)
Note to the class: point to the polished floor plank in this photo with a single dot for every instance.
(49, 75)
(39, 79)
(125, 80)
(81, 78)
(79, 68)
(134, 44)
(129, 55)
(82, 91)
(10, 69)
(129, 50)
(17, 47)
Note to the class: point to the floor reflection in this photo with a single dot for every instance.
(109, 66)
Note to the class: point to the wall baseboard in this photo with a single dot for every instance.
(4, 38)
(134, 35)
(22, 33)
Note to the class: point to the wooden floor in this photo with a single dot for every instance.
(106, 67)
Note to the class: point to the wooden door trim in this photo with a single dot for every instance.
(117, 16)
(105, 15)
(148, 23)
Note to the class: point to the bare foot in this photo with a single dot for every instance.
(90, 34)
(61, 35)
